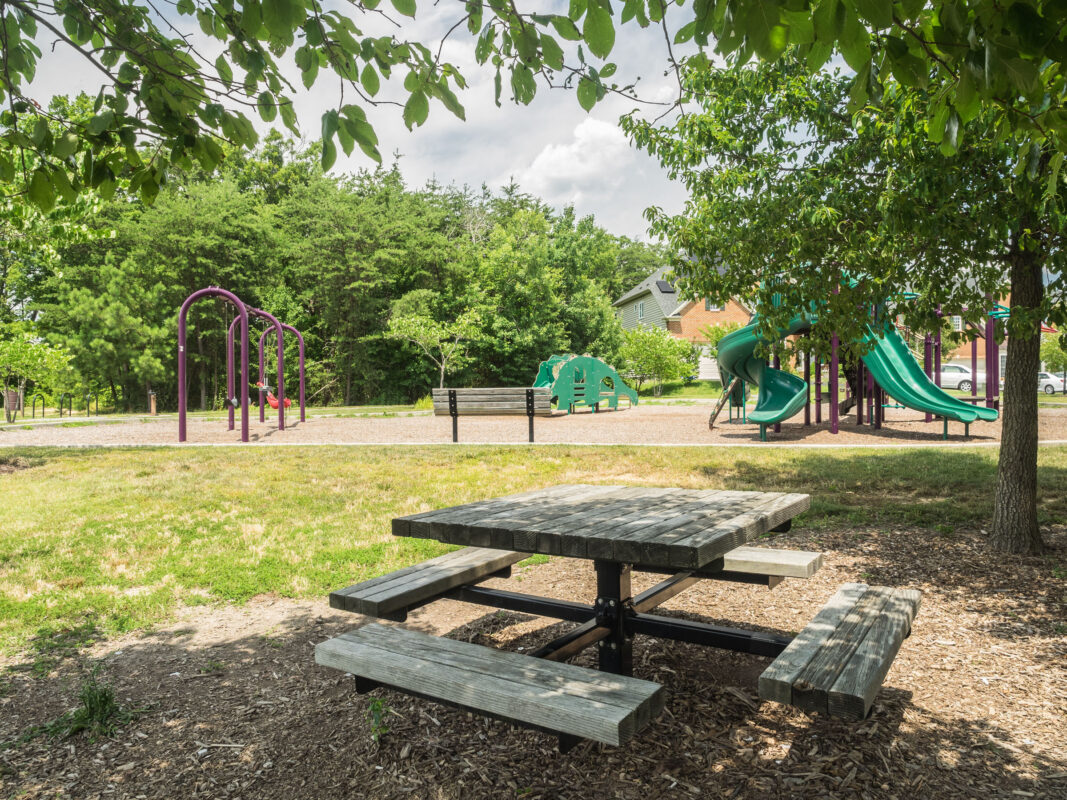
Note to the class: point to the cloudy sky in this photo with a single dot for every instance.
(552, 148)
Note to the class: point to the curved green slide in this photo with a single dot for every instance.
(782, 394)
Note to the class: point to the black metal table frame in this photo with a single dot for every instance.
(616, 616)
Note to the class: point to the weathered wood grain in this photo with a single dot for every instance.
(657, 527)
(551, 695)
(837, 663)
(406, 587)
(507, 400)
(780, 563)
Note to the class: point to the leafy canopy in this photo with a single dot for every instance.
(171, 95)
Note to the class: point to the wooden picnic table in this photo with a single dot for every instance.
(835, 665)
(683, 532)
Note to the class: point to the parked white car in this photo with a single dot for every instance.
(1049, 383)
(957, 376)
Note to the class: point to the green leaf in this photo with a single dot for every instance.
(608, 70)
(416, 109)
(966, 101)
(949, 144)
(685, 33)
(369, 79)
(329, 154)
(551, 51)
(101, 122)
(7, 168)
(267, 109)
(222, 67)
(576, 8)
(855, 42)
(801, 26)
(41, 191)
(566, 28)
(877, 12)
(405, 7)
(587, 93)
(186, 7)
(1023, 74)
(935, 127)
(66, 145)
(41, 131)
(598, 30)
(1054, 165)
(764, 29)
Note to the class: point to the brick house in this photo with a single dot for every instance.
(655, 302)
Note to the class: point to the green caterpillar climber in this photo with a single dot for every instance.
(583, 380)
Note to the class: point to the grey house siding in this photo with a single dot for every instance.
(653, 313)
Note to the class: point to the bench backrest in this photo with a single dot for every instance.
(509, 400)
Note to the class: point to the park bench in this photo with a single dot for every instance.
(505, 401)
(572, 702)
(836, 664)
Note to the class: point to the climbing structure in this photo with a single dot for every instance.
(583, 380)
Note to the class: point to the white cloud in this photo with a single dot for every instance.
(592, 161)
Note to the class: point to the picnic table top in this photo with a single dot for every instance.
(661, 528)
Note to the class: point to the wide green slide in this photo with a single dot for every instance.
(782, 394)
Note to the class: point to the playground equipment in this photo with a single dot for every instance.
(582, 380)
(300, 351)
(887, 368)
(242, 309)
(281, 402)
(262, 368)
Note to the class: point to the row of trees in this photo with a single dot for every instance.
(353, 262)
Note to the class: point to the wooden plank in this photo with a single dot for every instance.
(555, 696)
(539, 391)
(402, 525)
(706, 545)
(389, 593)
(811, 687)
(776, 682)
(765, 561)
(853, 693)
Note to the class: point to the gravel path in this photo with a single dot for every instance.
(651, 424)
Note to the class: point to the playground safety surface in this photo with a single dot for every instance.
(641, 425)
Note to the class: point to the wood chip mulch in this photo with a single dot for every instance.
(229, 703)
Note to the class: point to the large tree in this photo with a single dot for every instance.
(171, 95)
(799, 203)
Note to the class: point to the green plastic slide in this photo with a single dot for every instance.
(782, 394)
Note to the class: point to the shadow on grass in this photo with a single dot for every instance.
(252, 711)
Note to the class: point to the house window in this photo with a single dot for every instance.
(709, 306)
(640, 311)
(957, 323)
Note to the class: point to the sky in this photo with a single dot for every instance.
(551, 148)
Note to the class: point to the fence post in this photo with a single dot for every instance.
(530, 410)
(453, 410)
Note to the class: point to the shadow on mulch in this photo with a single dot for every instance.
(253, 717)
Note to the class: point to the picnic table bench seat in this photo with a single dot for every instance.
(391, 596)
(837, 663)
(572, 702)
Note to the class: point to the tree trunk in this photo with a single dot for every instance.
(442, 386)
(1015, 527)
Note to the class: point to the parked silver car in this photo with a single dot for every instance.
(957, 376)
(1049, 383)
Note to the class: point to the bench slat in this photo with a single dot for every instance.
(546, 694)
(777, 563)
(846, 651)
(406, 587)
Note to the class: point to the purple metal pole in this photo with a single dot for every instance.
(818, 390)
(833, 385)
(860, 378)
(928, 345)
(974, 372)
(807, 380)
(257, 312)
(992, 380)
(182, 313)
(870, 397)
(937, 352)
(777, 364)
(300, 345)
(229, 370)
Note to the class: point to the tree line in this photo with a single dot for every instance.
(337, 257)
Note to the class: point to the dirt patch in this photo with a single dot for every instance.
(9, 465)
(643, 424)
(232, 704)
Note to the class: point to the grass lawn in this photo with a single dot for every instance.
(678, 389)
(115, 539)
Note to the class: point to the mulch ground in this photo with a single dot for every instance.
(643, 424)
(229, 702)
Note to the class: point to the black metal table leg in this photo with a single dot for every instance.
(613, 602)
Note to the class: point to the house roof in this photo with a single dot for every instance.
(657, 286)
